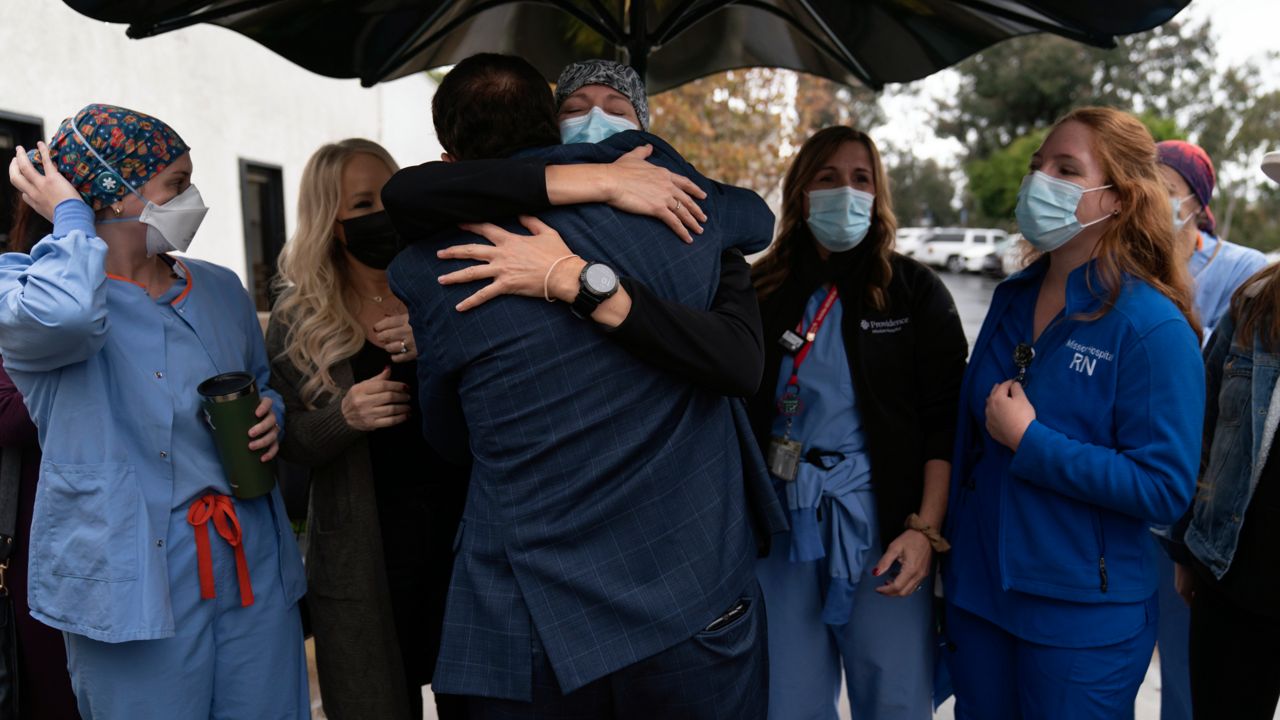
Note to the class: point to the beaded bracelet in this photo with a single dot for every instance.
(939, 543)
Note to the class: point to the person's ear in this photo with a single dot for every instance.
(446, 157)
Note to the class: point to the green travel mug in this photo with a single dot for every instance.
(230, 400)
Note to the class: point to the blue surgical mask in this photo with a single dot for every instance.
(1180, 222)
(1046, 210)
(593, 127)
(840, 217)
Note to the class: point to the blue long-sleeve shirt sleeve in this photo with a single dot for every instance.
(53, 309)
(1151, 472)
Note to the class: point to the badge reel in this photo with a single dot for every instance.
(784, 453)
(1023, 354)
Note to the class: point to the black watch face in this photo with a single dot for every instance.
(600, 279)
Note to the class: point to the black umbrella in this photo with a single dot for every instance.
(670, 42)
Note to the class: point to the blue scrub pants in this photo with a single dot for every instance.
(225, 662)
(1174, 641)
(1000, 677)
(886, 649)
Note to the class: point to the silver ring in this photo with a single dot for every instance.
(404, 347)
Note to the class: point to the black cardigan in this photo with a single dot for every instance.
(906, 363)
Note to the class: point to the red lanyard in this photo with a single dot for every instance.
(812, 334)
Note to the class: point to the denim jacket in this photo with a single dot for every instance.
(1241, 415)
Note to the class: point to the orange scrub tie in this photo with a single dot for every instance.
(222, 511)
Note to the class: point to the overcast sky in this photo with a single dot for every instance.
(1245, 29)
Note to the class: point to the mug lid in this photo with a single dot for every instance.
(228, 386)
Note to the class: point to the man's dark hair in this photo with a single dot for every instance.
(491, 106)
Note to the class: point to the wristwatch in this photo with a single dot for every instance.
(597, 283)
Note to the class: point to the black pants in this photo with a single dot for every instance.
(1235, 659)
(720, 674)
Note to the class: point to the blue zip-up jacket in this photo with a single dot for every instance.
(89, 355)
(1114, 447)
(1240, 427)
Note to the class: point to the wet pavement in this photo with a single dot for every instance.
(972, 294)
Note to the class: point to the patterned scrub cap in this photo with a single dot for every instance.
(1193, 164)
(622, 78)
(104, 150)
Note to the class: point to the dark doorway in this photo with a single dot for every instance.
(15, 130)
(262, 200)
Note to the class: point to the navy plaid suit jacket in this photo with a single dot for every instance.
(606, 508)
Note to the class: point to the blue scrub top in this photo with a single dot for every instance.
(109, 375)
(829, 420)
(1218, 268)
(977, 523)
(188, 364)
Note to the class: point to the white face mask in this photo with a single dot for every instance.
(171, 226)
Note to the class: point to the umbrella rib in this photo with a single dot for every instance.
(671, 25)
(606, 17)
(163, 26)
(850, 60)
(416, 44)
(1057, 27)
(837, 52)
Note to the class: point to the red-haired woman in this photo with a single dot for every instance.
(864, 355)
(1079, 428)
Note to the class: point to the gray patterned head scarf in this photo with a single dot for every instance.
(622, 78)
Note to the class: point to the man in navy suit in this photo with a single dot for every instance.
(605, 561)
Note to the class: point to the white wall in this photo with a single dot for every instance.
(229, 98)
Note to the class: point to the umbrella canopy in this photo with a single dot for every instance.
(871, 42)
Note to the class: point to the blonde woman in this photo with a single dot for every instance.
(384, 505)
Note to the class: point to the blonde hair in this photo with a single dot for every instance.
(316, 296)
(776, 266)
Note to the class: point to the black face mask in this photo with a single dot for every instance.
(372, 239)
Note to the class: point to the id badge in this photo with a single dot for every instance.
(784, 458)
(790, 341)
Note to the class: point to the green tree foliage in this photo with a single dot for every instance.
(1027, 83)
(1011, 93)
(744, 126)
(994, 180)
(1256, 223)
(923, 190)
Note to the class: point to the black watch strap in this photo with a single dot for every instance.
(585, 304)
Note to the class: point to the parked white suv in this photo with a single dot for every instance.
(959, 249)
(908, 239)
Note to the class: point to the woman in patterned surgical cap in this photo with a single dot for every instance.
(176, 600)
